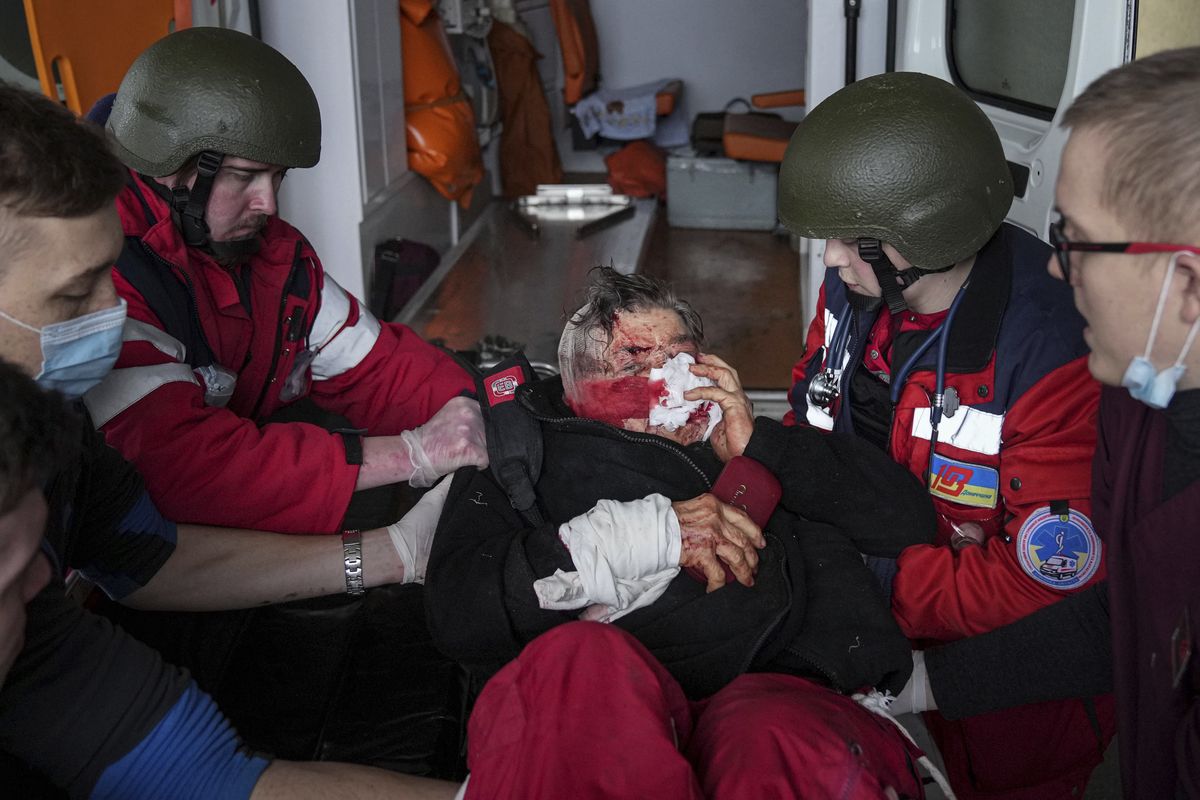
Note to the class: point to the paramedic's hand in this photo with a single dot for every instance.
(966, 534)
(733, 432)
(412, 536)
(451, 439)
(714, 533)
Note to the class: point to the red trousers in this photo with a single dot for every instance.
(1041, 751)
(587, 712)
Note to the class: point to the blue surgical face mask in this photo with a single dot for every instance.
(79, 353)
(1143, 381)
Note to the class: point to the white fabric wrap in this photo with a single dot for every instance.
(625, 555)
(672, 411)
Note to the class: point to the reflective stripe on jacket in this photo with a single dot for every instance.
(1018, 362)
(212, 460)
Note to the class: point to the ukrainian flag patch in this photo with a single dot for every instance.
(967, 484)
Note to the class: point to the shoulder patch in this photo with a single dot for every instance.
(964, 483)
(1061, 551)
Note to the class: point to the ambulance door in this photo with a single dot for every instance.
(1022, 61)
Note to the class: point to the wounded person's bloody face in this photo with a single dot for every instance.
(619, 392)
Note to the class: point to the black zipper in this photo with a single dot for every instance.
(827, 673)
(775, 623)
(853, 363)
(287, 285)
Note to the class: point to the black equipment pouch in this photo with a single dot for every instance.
(514, 438)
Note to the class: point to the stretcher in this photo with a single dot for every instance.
(499, 281)
(593, 207)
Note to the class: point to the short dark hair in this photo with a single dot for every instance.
(39, 435)
(1148, 112)
(52, 163)
(611, 293)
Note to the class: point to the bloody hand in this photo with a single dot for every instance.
(716, 535)
(732, 433)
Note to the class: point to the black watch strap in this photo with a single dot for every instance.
(352, 439)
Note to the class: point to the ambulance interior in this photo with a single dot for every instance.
(415, 97)
(415, 118)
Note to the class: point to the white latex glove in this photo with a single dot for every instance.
(412, 536)
(452, 438)
(916, 696)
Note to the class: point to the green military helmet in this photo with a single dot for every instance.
(211, 89)
(903, 157)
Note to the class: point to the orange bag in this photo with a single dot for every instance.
(442, 144)
(638, 169)
(528, 155)
(580, 49)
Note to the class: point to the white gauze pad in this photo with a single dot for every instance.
(672, 411)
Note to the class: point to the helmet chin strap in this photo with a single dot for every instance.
(189, 206)
(892, 282)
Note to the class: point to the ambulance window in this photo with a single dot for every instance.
(1012, 53)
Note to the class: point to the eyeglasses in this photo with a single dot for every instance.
(1064, 246)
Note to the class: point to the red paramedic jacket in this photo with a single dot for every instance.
(1015, 459)
(206, 455)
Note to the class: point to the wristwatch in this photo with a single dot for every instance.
(352, 556)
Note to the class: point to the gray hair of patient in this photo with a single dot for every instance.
(588, 331)
(1148, 115)
(39, 435)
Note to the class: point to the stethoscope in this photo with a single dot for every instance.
(826, 385)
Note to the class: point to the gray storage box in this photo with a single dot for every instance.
(720, 193)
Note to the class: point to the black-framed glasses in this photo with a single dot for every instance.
(1063, 247)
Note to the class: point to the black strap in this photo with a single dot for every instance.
(923, 271)
(352, 440)
(514, 438)
(871, 251)
(190, 204)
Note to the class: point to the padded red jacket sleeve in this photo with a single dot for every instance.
(400, 384)
(208, 465)
(1048, 438)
